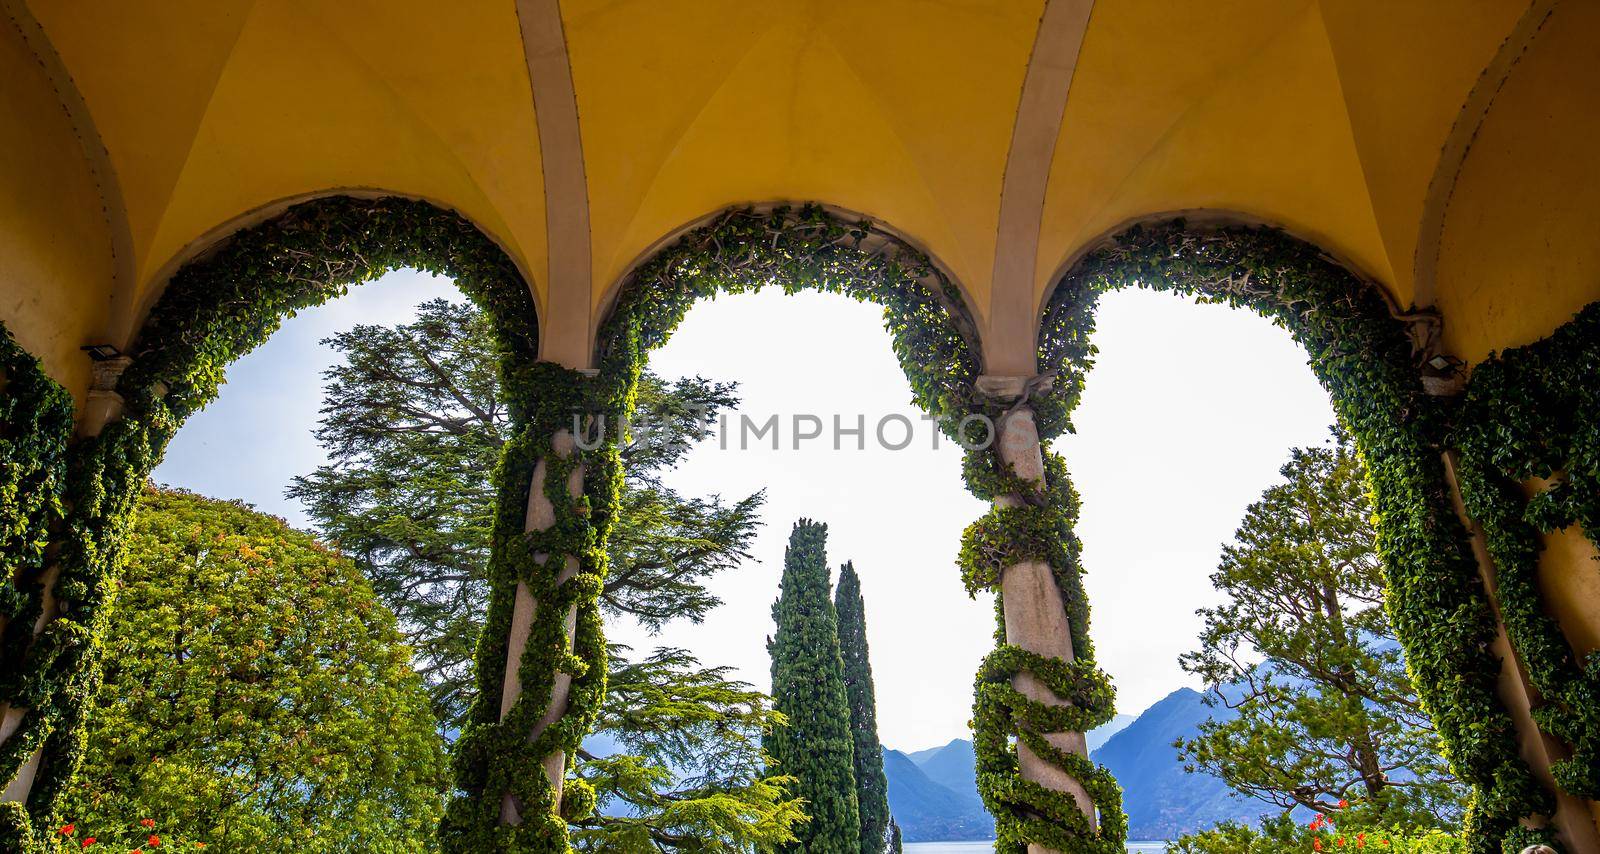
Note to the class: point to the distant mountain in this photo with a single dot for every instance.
(929, 812)
(1162, 801)
(952, 769)
(1102, 734)
(954, 766)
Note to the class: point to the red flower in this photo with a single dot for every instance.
(88, 841)
(1344, 804)
(1339, 842)
(154, 841)
(67, 829)
(148, 822)
(1316, 844)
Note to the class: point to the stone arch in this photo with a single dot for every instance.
(223, 302)
(933, 274)
(1374, 360)
(810, 246)
(140, 305)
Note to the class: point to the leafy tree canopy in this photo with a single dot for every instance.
(256, 695)
(1305, 655)
(690, 775)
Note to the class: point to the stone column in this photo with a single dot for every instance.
(102, 406)
(541, 516)
(1035, 614)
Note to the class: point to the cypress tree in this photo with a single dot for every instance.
(872, 787)
(808, 688)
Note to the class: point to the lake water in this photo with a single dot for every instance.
(988, 847)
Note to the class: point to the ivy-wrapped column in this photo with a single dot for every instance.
(542, 657)
(24, 628)
(1040, 686)
(541, 517)
(36, 426)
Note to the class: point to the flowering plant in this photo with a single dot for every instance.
(140, 838)
(1330, 834)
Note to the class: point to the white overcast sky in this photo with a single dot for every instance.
(1187, 416)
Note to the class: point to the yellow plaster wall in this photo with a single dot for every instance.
(1569, 576)
(896, 109)
(1520, 251)
(55, 249)
(248, 103)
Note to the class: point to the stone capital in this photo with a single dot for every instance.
(1008, 388)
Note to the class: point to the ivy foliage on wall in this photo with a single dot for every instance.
(215, 309)
(500, 757)
(1529, 415)
(1364, 356)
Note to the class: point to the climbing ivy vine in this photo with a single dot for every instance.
(36, 425)
(1034, 523)
(1530, 415)
(1364, 352)
(501, 756)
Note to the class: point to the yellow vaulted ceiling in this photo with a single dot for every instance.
(902, 110)
(1346, 121)
(1324, 117)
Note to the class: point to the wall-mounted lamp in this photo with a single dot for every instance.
(1442, 376)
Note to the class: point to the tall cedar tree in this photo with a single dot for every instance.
(872, 787)
(816, 747)
(256, 696)
(1304, 653)
(690, 774)
(413, 422)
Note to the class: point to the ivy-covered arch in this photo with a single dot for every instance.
(1368, 355)
(217, 307)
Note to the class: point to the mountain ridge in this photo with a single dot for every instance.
(936, 788)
